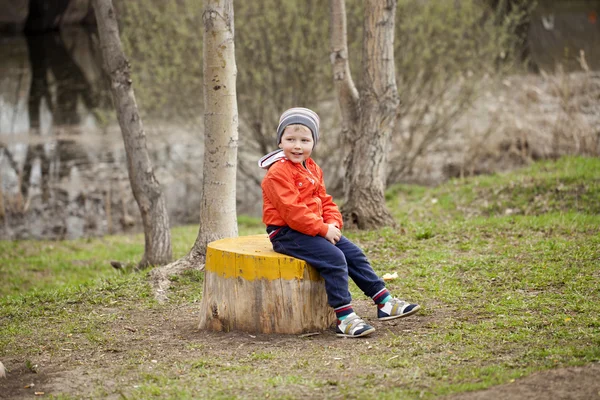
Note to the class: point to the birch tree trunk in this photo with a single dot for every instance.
(368, 116)
(218, 208)
(218, 218)
(145, 187)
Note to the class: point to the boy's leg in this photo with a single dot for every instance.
(331, 264)
(361, 272)
(323, 256)
(360, 269)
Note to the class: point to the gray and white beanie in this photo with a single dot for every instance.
(293, 116)
(300, 116)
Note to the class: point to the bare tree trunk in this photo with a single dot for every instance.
(368, 117)
(218, 218)
(346, 90)
(145, 187)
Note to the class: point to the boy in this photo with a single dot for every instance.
(303, 222)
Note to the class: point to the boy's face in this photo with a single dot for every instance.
(297, 143)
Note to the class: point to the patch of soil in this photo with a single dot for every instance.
(142, 342)
(576, 383)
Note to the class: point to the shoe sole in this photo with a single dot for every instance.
(411, 312)
(365, 333)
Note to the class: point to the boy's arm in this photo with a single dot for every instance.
(331, 212)
(285, 197)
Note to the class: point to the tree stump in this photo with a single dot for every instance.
(248, 287)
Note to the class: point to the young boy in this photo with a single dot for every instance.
(303, 222)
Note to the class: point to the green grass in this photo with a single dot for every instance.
(504, 294)
(48, 265)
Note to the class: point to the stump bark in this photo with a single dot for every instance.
(248, 287)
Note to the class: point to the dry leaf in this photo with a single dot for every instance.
(389, 277)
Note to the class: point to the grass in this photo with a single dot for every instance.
(48, 265)
(505, 294)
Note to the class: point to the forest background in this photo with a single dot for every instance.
(469, 103)
(484, 86)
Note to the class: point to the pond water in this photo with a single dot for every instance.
(62, 164)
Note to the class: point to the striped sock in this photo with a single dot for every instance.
(382, 296)
(343, 311)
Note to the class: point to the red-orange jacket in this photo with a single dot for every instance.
(295, 196)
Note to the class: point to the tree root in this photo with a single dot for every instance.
(159, 277)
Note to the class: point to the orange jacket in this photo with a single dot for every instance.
(295, 196)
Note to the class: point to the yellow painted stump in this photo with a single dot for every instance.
(248, 287)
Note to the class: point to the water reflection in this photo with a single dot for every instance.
(62, 163)
(59, 88)
(50, 85)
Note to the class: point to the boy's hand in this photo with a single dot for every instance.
(333, 234)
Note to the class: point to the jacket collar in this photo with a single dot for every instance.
(269, 159)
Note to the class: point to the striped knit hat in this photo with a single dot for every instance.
(301, 116)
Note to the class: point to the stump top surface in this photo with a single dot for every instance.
(252, 257)
(253, 245)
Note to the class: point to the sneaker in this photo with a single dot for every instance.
(353, 326)
(396, 308)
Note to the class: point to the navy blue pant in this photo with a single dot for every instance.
(334, 262)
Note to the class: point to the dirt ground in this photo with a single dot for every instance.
(171, 335)
(560, 384)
